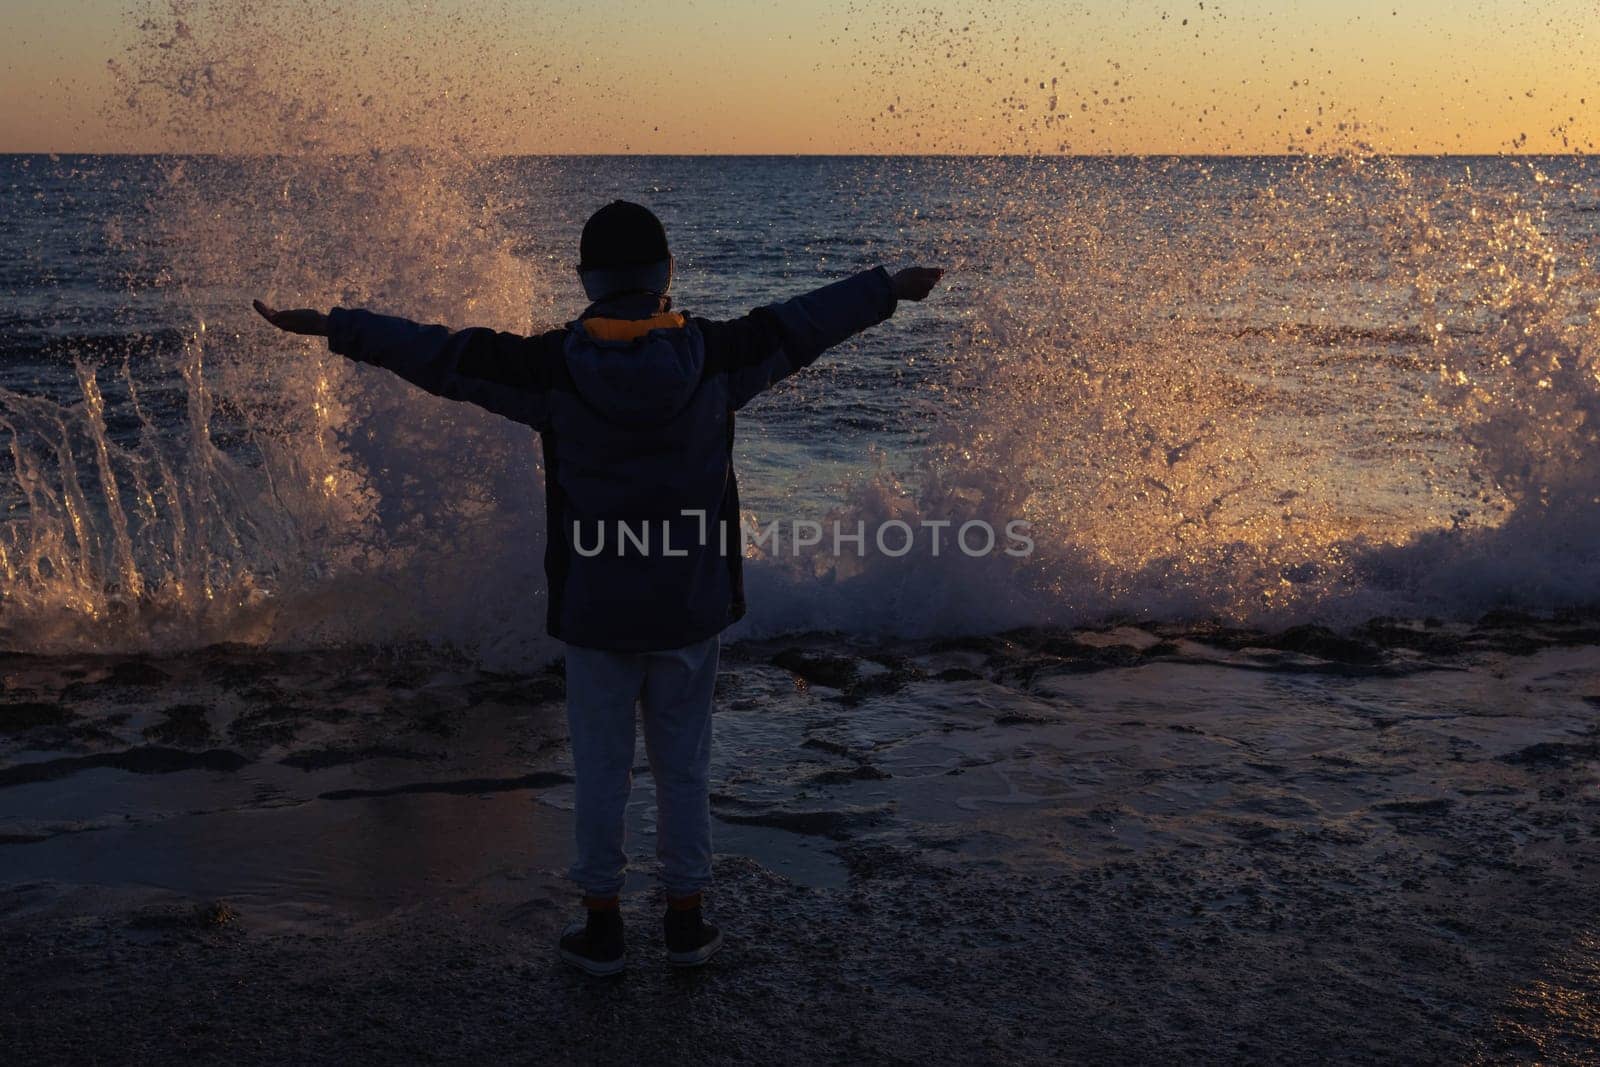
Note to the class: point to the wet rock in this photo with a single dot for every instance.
(1084, 656)
(883, 683)
(1032, 636)
(215, 914)
(817, 668)
(1323, 643)
(989, 645)
(1577, 635)
(144, 760)
(11, 661)
(825, 745)
(463, 787)
(1554, 755)
(1014, 718)
(885, 861)
(517, 689)
(262, 727)
(1440, 806)
(321, 758)
(136, 673)
(1511, 642)
(265, 692)
(1233, 638)
(836, 824)
(440, 723)
(1255, 832)
(1277, 770)
(29, 715)
(209, 916)
(1010, 931)
(863, 773)
(233, 676)
(1428, 641)
(184, 724)
(1507, 619)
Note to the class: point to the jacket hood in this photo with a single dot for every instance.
(635, 372)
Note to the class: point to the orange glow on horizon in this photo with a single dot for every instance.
(834, 76)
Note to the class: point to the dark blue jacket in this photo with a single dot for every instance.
(635, 407)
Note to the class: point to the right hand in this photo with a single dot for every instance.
(295, 320)
(914, 283)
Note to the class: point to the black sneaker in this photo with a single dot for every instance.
(690, 939)
(595, 946)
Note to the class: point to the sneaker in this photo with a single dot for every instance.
(690, 939)
(595, 947)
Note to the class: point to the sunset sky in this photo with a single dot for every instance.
(717, 76)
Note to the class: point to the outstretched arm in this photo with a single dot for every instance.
(502, 372)
(773, 342)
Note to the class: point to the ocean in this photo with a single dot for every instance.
(1256, 391)
(1279, 743)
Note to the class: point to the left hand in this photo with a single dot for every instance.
(914, 283)
(295, 320)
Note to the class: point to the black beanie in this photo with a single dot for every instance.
(622, 234)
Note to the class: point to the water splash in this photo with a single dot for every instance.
(1406, 434)
(1261, 391)
(317, 517)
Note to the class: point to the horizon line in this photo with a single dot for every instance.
(1572, 154)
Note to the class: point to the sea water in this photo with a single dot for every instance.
(1254, 389)
(1250, 390)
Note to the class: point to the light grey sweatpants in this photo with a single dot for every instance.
(673, 688)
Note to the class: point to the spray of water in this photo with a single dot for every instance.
(1405, 432)
(333, 503)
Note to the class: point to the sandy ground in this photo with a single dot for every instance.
(1122, 845)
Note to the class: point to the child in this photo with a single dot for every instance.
(635, 404)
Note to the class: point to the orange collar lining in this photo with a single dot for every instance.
(632, 329)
